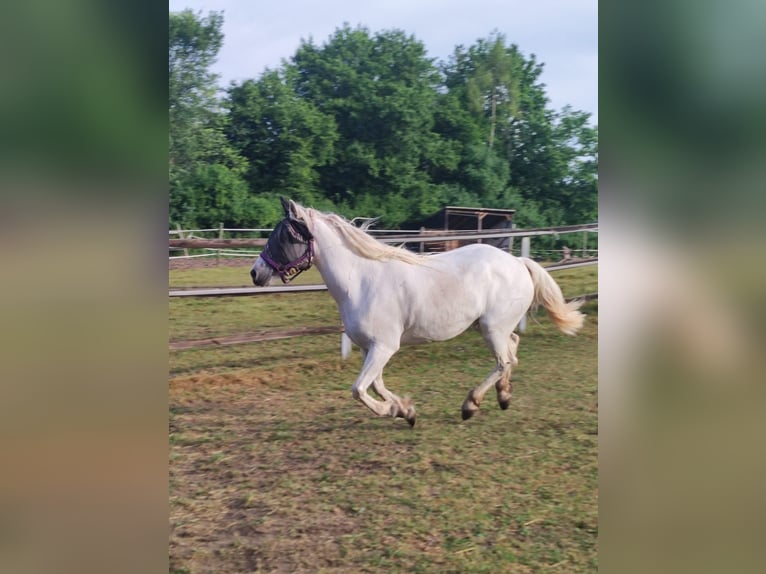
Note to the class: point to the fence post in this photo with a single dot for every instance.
(584, 244)
(220, 236)
(181, 236)
(525, 241)
(422, 244)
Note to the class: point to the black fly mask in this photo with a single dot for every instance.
(290, 249)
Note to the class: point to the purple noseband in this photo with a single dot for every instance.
(292, 269)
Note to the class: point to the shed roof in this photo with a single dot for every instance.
(469, 218)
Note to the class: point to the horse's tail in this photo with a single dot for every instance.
(565, 316)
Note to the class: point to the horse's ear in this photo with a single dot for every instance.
(290, 207)
(285, 205)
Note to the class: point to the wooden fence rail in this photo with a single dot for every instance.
(196, 243)
(423, 237)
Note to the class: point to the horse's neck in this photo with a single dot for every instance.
(339, 267)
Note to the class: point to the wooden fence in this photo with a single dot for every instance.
(187, 240)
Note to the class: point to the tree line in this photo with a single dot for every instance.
(365, 124)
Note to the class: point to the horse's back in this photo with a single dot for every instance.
(458, 287)
(479, 257)
(499, 276)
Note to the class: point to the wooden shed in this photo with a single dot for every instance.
(455, 218)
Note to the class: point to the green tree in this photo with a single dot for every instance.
(556, 165)
(284, 137)
(487, 78)
(194, 42)
(381, 90)
(495, 96)
(367, 124)
(205, 173)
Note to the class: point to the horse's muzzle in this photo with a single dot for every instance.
(261, 273)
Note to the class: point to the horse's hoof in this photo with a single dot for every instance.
(409, 415)
(407, 411)
(504, 392)
(469, 407)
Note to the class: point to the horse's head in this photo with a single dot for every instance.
(289, 250)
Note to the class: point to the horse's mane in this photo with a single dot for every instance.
(362, 243)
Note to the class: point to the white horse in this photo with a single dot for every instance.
(389, 297)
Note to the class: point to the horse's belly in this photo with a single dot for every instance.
(418, 338)
(442, 314)
(436, 332)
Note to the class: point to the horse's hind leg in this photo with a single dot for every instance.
(499, 377)
(513, 348)
(504, 386)
(473, 400)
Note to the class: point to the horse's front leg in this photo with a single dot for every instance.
(406, 408)
(372, 374)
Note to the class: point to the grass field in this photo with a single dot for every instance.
(275, 468)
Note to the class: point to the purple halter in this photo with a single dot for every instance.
(290, 270)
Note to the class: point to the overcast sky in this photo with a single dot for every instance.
(561, 33)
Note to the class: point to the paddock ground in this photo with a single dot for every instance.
(275, 468)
